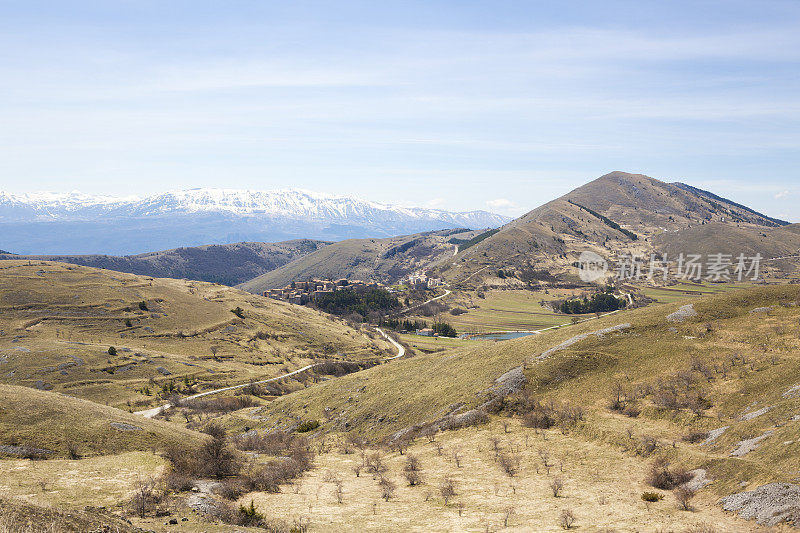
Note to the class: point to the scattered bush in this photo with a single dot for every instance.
(307, 425)
(112, 351)
(661, 476)
(566, 519)
(684, 496)
(652, 497)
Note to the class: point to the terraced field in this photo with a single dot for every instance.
(507, 310)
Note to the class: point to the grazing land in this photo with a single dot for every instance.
(129, 341)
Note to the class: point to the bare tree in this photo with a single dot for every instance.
(447, 489)
(457, 457)
(338, 490)
(684, 496)
(375, 464)
(387, 488)
(566, 519)
(508, 512)
(556, 486)
(411, 471)
(143, 496)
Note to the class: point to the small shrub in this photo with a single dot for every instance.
(307, 425)
(143, 306)
(662, 477)
(539, 419)
(112, 351)
(509, 462)
(695, 436)
(249, 516)
(632, 411)
(652, 496)
(238, 312)
(566, 519)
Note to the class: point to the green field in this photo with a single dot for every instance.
(507, 310)
(683, 290)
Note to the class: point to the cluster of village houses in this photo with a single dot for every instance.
(421, 282)
(302, 292)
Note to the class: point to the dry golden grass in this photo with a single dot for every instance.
(57, 323)
(105, 481)
(60, 424)
(602, 487)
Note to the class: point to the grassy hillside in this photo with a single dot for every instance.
(425, 387)
(712, 389)
(58, 323)
(228, 264)
(56, 424)
(717, 237)
(616, 214)
(384, 260)
(20, 517)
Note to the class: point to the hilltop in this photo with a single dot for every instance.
(621, 213)
(227, 264)
(129, 340)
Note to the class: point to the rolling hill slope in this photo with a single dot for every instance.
(47, 425)
(228, 264)
(59, 322)
(712, 387)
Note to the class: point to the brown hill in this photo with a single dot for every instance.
(622, 213)
(228, 264)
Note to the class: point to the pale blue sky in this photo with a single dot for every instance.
(461, 105)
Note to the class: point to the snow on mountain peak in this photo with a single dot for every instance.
(289, 203)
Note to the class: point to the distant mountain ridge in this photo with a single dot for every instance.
(228, 264)
(70, 223)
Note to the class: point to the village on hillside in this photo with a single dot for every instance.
(303, 292)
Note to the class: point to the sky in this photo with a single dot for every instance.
(459, 105)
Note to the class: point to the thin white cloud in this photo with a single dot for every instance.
(782, 194)
(501, 203)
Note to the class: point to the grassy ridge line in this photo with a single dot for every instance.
(607, 221)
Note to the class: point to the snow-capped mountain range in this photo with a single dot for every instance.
(47, 223)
